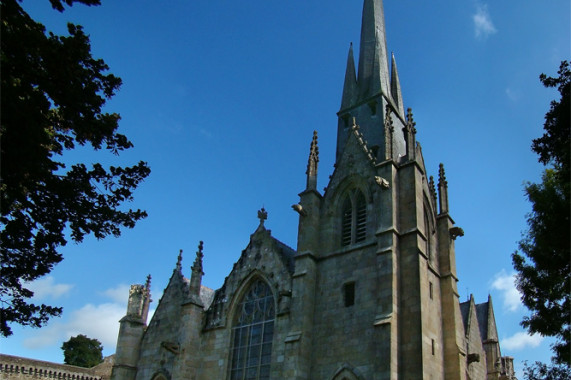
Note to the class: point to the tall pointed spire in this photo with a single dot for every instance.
(373, 60)
(395, 86)
(312, 164)
(350, 85)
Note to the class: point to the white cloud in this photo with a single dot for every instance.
(483, 25)
(119, 294)
(47, 288)
(505, 283)
(521, 340)
(99, 322)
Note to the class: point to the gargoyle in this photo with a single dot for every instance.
(382, 182)
(455, 232)
(299, 209)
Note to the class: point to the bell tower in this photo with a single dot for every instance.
(375, 255)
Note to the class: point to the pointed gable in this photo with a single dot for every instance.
(487, 321)
(264, 257)
(356, 159)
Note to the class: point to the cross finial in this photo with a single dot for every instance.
(262, 215)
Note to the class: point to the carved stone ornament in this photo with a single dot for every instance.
(299, 209)
(382, 182)
(455, 232)
(171, 347)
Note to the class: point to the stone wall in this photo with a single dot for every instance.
(15, 367)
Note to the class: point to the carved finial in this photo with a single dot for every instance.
(442, 190)
(312, 163)
(389, 130)
(197, 266)
(432, 188)
(410, 123)
(410, 136)
(148, 283)
(354, 123)
(442, 176)
(179, 261)
(262, 215)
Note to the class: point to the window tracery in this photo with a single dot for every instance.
(252, 334)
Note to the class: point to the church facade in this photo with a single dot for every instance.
(370, 292)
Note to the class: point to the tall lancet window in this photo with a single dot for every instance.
(428, 232)
(354, 218)
(252, 334)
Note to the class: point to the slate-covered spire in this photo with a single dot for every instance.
(312, 164)
(395, 86)
(373, 73)
(350, 85)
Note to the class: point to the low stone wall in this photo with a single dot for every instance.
(15, 367)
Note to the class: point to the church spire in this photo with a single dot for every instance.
(395, 86)
(312, 164)
(350, 85)
(373, 73)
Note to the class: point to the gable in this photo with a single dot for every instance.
(356, 160)
(265, 257)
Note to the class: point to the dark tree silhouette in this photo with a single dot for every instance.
(53, 92)
(543, 266)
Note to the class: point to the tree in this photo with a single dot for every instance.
(53, 92)
(82, 351)
(542, 371)
(544, 269)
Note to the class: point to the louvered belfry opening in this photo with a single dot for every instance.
(360, 217)
(354, 218)
(346, 223)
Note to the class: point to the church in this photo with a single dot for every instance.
(370, 291)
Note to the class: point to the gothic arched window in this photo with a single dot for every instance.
(354, 218)
(428, 230)
(252, 334)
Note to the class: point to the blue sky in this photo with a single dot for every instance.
(221, 99)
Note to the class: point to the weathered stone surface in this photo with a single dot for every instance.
(370, 292)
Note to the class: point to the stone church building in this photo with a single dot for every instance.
(370, 292)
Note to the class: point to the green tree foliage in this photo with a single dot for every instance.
(542, 371)
(543, 267)
(53, 92)
(82, 351)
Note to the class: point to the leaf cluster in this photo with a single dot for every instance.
(541, 371)
(53, 94)
(543, 266)
(82, 351)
